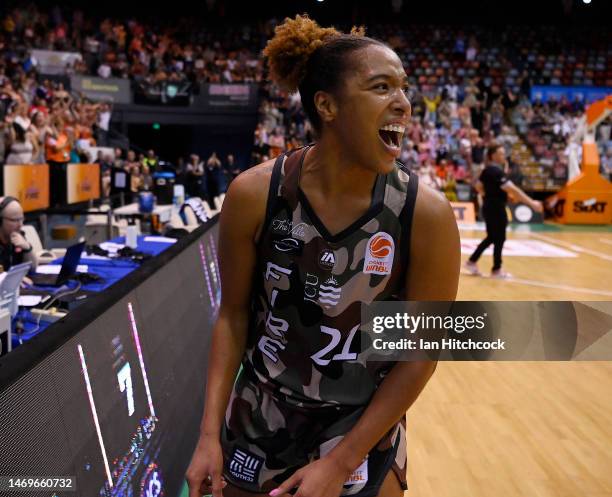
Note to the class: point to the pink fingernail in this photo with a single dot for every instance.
(274, 492)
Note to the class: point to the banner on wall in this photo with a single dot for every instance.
(105, 89)
(235, 98)
(54, 62)
(572, 93)
(28, 183)
(83, 182)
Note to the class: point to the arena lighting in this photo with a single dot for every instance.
(586, 1)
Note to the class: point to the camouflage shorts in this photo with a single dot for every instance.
(266, 440)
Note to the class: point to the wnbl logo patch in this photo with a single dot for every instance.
(245, 465)
(379, 254)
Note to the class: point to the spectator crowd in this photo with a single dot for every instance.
(470, 88)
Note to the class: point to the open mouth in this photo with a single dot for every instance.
(391, 135)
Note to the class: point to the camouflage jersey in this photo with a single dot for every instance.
(304, 339)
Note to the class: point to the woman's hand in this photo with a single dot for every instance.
(205, 472)
(324, 477)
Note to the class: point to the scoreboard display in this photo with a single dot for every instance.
(117, 405)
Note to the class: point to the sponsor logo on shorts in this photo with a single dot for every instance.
(359, 477)
(245, 465)
(379, 254)
(327, 259)
(356, 476)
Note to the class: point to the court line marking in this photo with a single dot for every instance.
(544, 284)
(530, 234)
(556, 286)
(571, 246)
(521, 247)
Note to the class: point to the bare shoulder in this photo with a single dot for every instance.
(432, 207)
(244, 207)
(254, 181)
(435, 252)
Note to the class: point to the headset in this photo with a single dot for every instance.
(3, 205)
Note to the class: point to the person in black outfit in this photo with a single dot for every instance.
(495, 186)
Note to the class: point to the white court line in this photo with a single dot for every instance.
(521, 229)
(605, 240)
(571, 246)
(544, 284)
(569, 288)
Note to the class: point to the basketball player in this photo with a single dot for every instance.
(496, 187)
(305, 241)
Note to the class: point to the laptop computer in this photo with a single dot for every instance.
(9, 288)
(13, 278)
(68, 270)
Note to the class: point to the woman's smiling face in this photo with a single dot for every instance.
(373, 109)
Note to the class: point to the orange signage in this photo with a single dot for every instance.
(587, 198)
(29, 183)
(597, 111)
(464, 212)
(83, 182)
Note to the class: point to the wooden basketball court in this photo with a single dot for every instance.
(521, 428)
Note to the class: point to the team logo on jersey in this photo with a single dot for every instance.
(329, 293)
(245, 465)
(379, 254)
(289, 245)
(327, 259)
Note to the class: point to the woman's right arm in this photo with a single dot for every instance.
(238, 225)
(242, 214)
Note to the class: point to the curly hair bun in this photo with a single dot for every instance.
(293, 43)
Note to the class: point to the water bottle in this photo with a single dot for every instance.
(146, 202)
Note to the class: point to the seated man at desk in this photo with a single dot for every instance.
(14, 248)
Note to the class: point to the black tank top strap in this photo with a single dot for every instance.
(273, 192)
(291, 176)
(284, 182)
(406, 216)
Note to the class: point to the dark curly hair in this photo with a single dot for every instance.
(305, 57)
